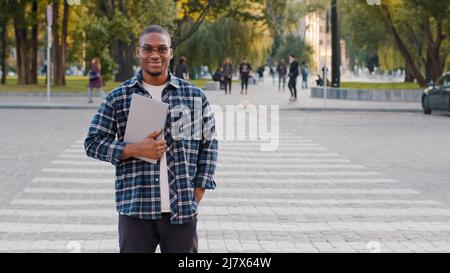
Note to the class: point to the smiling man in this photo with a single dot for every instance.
(157, 203)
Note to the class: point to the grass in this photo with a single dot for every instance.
(78, 84)
(75, 84)
(376, 85)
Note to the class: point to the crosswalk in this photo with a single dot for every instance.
(302, 197)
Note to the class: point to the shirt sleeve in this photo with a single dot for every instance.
(206, 163)
(101, 143)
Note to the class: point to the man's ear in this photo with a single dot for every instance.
(171, 53)
(137, 51)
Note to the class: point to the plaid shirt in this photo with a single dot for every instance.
(191, 161)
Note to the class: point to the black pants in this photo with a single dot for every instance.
(244, 81)
(143, 236)
(227, 82)
(292, 84)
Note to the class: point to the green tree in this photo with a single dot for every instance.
(237, 30)
(418, 29)
(4, 19)
(24, 14)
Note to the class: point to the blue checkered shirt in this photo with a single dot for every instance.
(191, 161)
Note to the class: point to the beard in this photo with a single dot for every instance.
(155, 74)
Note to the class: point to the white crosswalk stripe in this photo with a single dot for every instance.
(243, 210)
(250, 183)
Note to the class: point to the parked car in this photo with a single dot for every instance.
(437, 95)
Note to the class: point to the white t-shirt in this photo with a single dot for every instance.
(155, 92)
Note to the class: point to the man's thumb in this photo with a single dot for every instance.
(154, 134)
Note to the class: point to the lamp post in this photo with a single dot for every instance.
(49, 45)
(336, 46)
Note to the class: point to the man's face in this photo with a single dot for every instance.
(154, 54)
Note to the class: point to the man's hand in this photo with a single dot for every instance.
(152, 148)
(198, 193)
(149, 147)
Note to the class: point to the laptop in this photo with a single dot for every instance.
(145, 116)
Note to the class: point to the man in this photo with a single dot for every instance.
(157, 203)
(181, 70)
(244, 71)
(282, 71)
(293, 74)
(305, 74)
(227, 74)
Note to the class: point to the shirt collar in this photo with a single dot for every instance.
(138, 78)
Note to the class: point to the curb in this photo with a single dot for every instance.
(44, 94)
(48, 107)
(325, 109)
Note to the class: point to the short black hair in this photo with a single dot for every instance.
(292, 55)
(155, 29)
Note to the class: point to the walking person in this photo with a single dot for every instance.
(95, 79)
(273, 69)
(227, 69)
(244, 71)
(293, 74)
(305, 74)
(282, 71)
(157, 203)
(260, 72)
(181, 69)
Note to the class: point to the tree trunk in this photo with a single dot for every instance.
(3, 53)
(34, 46)
(60, 45)
(123, 57)
(56, 48)
(408, 76)
(123, 52)
(20, 32)
(409, 62)
(65, 23)
(434, 63)
(22, 52)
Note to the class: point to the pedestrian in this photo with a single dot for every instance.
(319, 81)
(305, 74)
(293, 74)
(227, 69)
(157, 203)
(282, 71)
(181, 69)
(260, 72)
(244, 71)
(273, 68)
(95, 79)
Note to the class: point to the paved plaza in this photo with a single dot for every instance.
(339, 181)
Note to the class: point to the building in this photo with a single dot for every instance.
(313, 29)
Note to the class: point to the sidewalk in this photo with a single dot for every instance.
(261, 94)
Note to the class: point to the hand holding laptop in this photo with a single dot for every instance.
(150, 148)
(143, 133)
(153, 148)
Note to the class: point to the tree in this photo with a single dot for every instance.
(26, 46)
(214, 41)
(235, 31)
(418, 29)
(4, 18)
(276, 15)
(59, 47)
